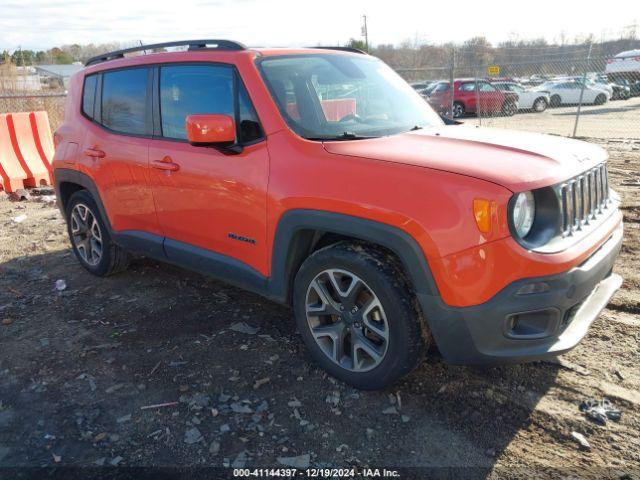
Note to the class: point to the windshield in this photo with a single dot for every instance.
(332, 96)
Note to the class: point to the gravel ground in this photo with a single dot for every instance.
(614, 119)
(78, 368)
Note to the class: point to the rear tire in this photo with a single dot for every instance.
(357, 315)
(458, 110)
(509, 109)
(540, 105)
(90, 238)
(555, 101)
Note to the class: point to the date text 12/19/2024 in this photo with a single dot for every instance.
(316, 472)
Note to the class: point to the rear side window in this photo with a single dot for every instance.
(124, 100)
(89, 95)
(193, 89)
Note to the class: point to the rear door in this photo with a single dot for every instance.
(567, 92)
(491, 99)
(115, 148)
(467, 95)
(214, 203)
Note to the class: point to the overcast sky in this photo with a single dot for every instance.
(41, 24)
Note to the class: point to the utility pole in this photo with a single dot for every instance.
(584, 81)
(365, 32)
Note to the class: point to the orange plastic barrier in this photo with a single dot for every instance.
(26, 150)
(11, 172)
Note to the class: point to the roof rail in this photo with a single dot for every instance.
(192, 44)
(343, 49)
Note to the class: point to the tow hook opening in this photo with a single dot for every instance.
(532, 325)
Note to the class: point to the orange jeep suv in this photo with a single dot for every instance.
(320, 179)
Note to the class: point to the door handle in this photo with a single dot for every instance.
(165, 164)
(94, 152)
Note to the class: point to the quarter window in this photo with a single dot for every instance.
(124, 100)
(249, 129)
(89, 95)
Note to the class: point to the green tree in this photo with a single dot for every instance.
(59, 56)
(359, 44)
(23, 57)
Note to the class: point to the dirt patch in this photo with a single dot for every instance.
(78, 366)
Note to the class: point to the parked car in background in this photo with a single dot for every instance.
(618, 91)
(568, 93)
(624, 65)
(426, 91)
(465, 98)
(528, 99)
(634, 87)
(423, 88)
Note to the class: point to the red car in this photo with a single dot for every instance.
(465, 98)
(321, 180)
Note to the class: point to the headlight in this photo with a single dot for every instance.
(524, 211)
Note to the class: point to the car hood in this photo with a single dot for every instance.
(516, 160)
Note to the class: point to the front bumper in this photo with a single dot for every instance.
(513, 327)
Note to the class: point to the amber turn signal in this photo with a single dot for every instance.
(482, 214)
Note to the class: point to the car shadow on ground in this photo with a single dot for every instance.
(597, 111)
(76, 362)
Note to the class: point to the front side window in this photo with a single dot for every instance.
(204, 89)
(193, 89)
(124, 100)
(336, 96)
(468, 87)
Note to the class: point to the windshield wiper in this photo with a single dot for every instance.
(417, 127)
(342, 136)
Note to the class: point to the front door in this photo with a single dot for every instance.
(211, 203)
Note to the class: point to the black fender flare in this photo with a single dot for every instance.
(68, 175)
(294, 222)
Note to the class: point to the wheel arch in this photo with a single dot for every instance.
(300, 232)
(68, 181)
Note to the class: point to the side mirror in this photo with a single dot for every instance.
(210, 130)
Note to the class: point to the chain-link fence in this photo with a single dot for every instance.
(583, 96)
(52, 103)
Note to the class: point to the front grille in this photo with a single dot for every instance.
(584, 198)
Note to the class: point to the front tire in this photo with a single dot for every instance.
(90, 238)
(356, 315)
(600, 99)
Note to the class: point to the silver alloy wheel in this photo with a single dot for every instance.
(86, 234)
(539, 105)
(347, 320)
(458, 110)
